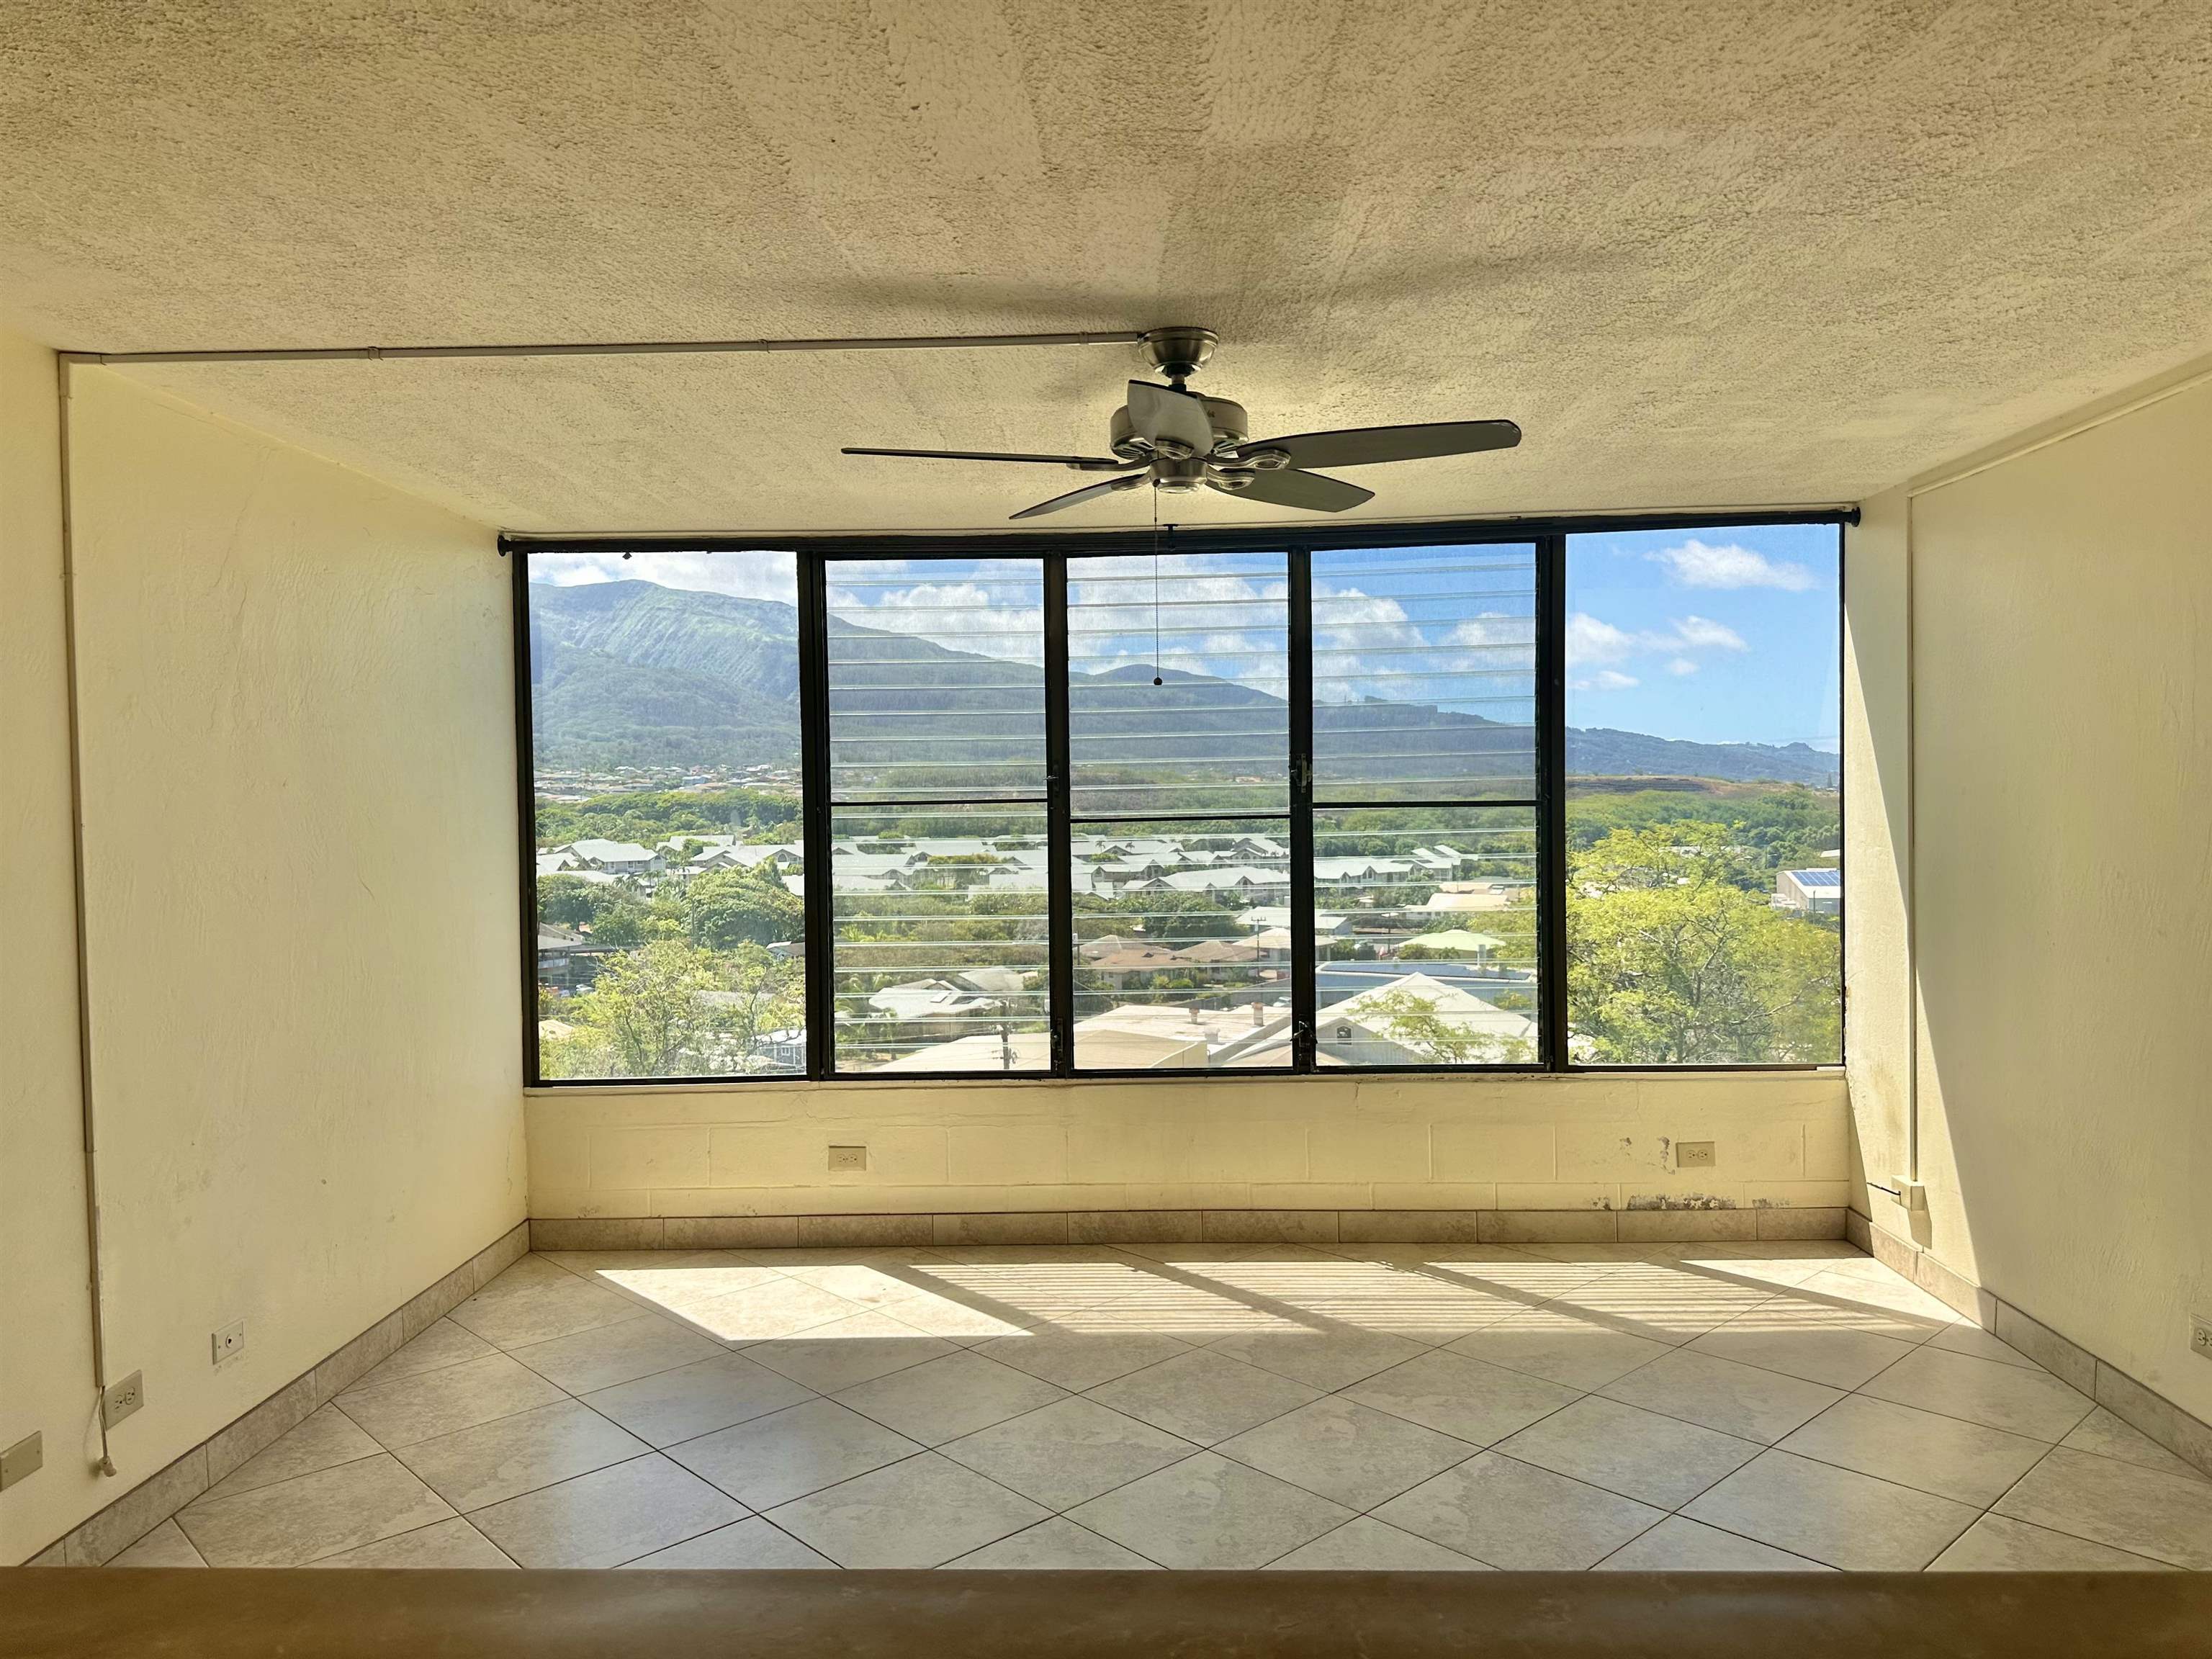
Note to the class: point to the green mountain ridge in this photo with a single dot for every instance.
(632, 673)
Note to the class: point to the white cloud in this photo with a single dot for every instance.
(1681, 666)
(1695, 564)
(1589, 640)
(1606, 679)
(745, 575)
(986, 618)
(1702, 634)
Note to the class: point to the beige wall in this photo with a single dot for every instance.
(300, 819)
(1877, 824)
(2062, 611)
(1328, 1142)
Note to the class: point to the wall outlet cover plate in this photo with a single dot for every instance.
(1693, 1155)
(124, 1398)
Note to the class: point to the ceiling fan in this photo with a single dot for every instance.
(1178, 441)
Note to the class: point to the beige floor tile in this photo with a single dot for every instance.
(1628, 1450)
(1661, 1304)
(1345, 1296)
(1346, 1452)
(1067, 1452)
(920, 1513)
(1210, 1512)
(1873, 1289)
(1677, 1545)
(767, 1312)
(941, 1399)
(411, 1408)
(696, 1399)
(1945, 1455)
(2131, 1508)
(1203, 1396)
(849, 1351)
(607, 1517)
(676, 1286)
(1742, 1400)
(510, 1456)
(590, 1264)
(1513, 1275)
(1366, 1544)
(748, 1544)
(1837, 1515)
(1801, 1309)
(443, 1344)
(1055, 1546)
(1320, 1359)
(784, 1454)
(1515, 1515)
(1560, 1347)
(311, 1516)
(327, 1438)
(922, 1295)
(1963, 1338)
(1997, 1544)
(1078, 1359)
(2033, 1403)
(165, 1547)
(453, 1543)
(1464, 1398)
(2105, 1435)
(608, 1354)
(519, 1308)
(1840, 1358)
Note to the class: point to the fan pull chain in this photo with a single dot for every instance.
(1157, 679)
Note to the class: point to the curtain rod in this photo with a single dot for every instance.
(603, 348)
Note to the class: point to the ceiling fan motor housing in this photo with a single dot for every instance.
(1231, 426)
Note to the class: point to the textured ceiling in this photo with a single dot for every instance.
(1704, 254)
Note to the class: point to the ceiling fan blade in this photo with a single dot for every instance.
(1087, 493)
(1080, 463)
(1311, 490)
(1165, 415)
(1365, 446)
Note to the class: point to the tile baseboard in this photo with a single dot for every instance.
(108, 1531)
(1194, 1226)
(2142, 1408)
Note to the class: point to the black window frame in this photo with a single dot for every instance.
(815, 555)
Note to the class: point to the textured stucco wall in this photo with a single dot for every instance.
(46, 1342)
(2063, 616)
(1328, 1142)
(300, 835)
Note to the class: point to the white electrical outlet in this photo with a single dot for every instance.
(122, 1398)
(845, 1160)
(1693, 1155)
(2200, 1335)
(229, 1342)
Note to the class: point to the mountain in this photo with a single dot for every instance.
(629, 672)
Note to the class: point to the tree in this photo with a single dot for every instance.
(1414, 1023)
(648, 1006)
(762, 995)
(566, 900)
(728, 908)
(1670, 962)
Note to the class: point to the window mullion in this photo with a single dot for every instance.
(1304, 993)
(1552, 800)
(818, 894)
(1059, 882)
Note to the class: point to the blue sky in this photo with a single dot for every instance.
(1718, 636)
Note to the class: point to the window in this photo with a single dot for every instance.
(1703, 804)
(1083, 804)
(664, 705)
(1425, 806)
(940, 939)
(1179, 733)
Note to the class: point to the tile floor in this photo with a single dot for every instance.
(1790, 1407)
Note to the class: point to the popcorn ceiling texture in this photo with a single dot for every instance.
(1720, 254)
